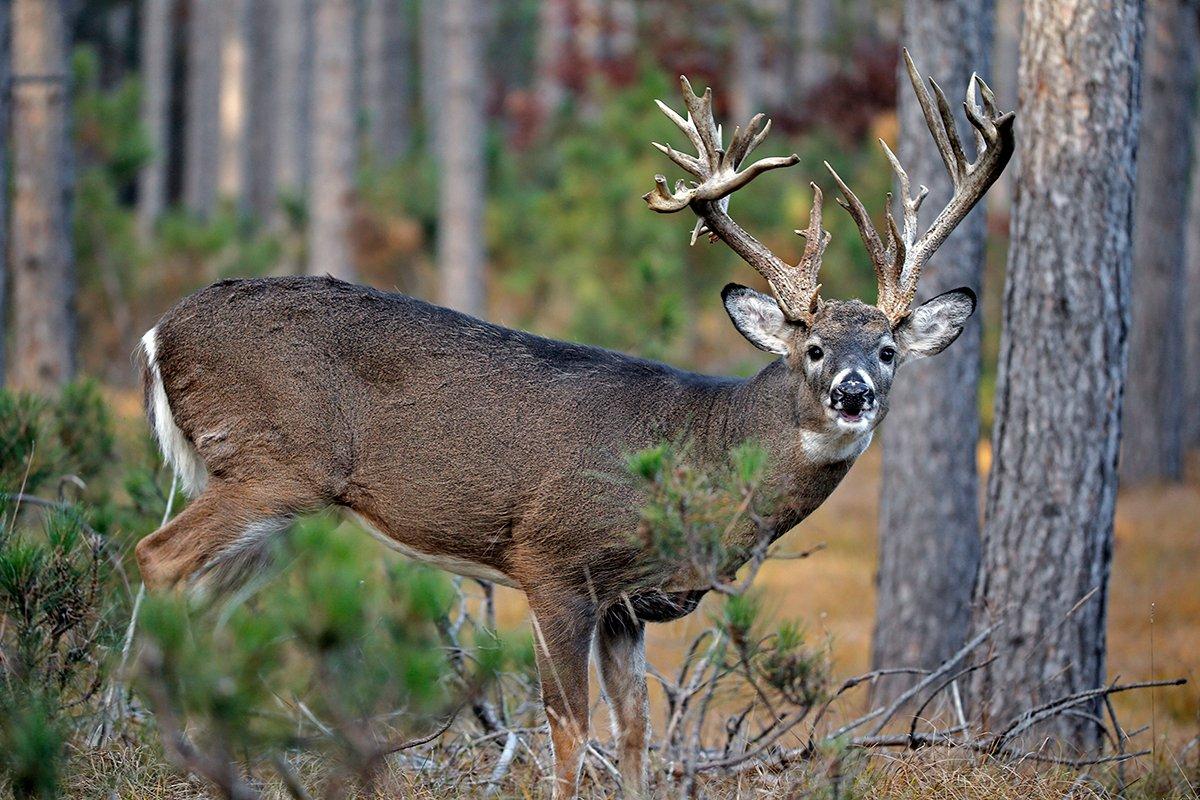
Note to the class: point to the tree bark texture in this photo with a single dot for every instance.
(1048, 530)
(929, 500)
(460, 215)
(293, 47)
(1191, 435)
(43, 269)
(231, 154)
(331, 191)
(5, 101)
(156, 33)
(202, 123)
(1152, 443)
(387, 77)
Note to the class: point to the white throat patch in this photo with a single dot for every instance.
(832, 446)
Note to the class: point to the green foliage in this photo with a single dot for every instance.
(702, 520)
(355, 643)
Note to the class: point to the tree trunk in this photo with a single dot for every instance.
(460, 218)
(1047, 544)
(1191, 435)
(1152, 446)
(331, 192)
(744, 59)
(202, 122)
(5, 140)
(293, 88)
(387, 78)
(157, 19)
(929, 500)
(813, 63)
(231, 155)
(433, 65)
(43, 269)
(262, 134)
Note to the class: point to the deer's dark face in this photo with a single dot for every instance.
(843, 360)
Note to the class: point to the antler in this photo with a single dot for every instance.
(898, 263)
(718, 174)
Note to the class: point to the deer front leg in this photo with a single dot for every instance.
(562, 630)
(621, 657)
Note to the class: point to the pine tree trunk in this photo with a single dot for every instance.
(157, 19)
(813, 62)
(1191, 433)
(1048, 530)
(1152, 444)
(433, 65)
(331, 192)
(202, 123)
(261, 132)
(929, 499)
(387, 77)
(293, 88)
(460, 218)
(231, 154)
(5, 139)
(746, 77)
(43, 278)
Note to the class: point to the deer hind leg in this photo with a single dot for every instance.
(621, 658)
(220, 537)
(562, 631)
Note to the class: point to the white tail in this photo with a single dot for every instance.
(172, 443)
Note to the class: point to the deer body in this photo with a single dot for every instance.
(500, 455)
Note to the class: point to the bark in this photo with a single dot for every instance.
(43, 269)
(202, 122)
(1048, 530)
(433, 64)
(460, 217)
(813, 62)
(1152, 445)
(1191, 433)
(293, 46)
(929, 503)
(5, 97)
(387, 77)
(262, 133)
(745, 58)
(331, 191)
(157, 18)
(231, 153)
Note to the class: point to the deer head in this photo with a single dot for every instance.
(842, 354)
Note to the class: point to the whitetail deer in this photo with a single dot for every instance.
(478, 448)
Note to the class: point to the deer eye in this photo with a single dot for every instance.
(815, 353)
(887, 354)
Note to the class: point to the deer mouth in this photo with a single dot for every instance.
(846, 416)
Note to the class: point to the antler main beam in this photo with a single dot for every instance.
(898, 263)
(718, 174)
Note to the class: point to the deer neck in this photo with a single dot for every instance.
(806, 460)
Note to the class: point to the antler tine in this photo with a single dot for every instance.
(719, 174)
(898, 264)
(816, 239)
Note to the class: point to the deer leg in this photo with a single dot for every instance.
(562, 640)
(223, 529)
(621, 657)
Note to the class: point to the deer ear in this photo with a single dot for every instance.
(935, 324)
(757, 317)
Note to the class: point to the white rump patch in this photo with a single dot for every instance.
(174, 446)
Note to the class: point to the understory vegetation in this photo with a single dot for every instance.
(341, 671)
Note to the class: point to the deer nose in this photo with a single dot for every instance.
(851, 396)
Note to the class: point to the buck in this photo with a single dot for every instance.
(482, 450)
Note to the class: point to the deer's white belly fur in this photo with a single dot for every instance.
(458, 566)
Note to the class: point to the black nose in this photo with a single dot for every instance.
(851, 396)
